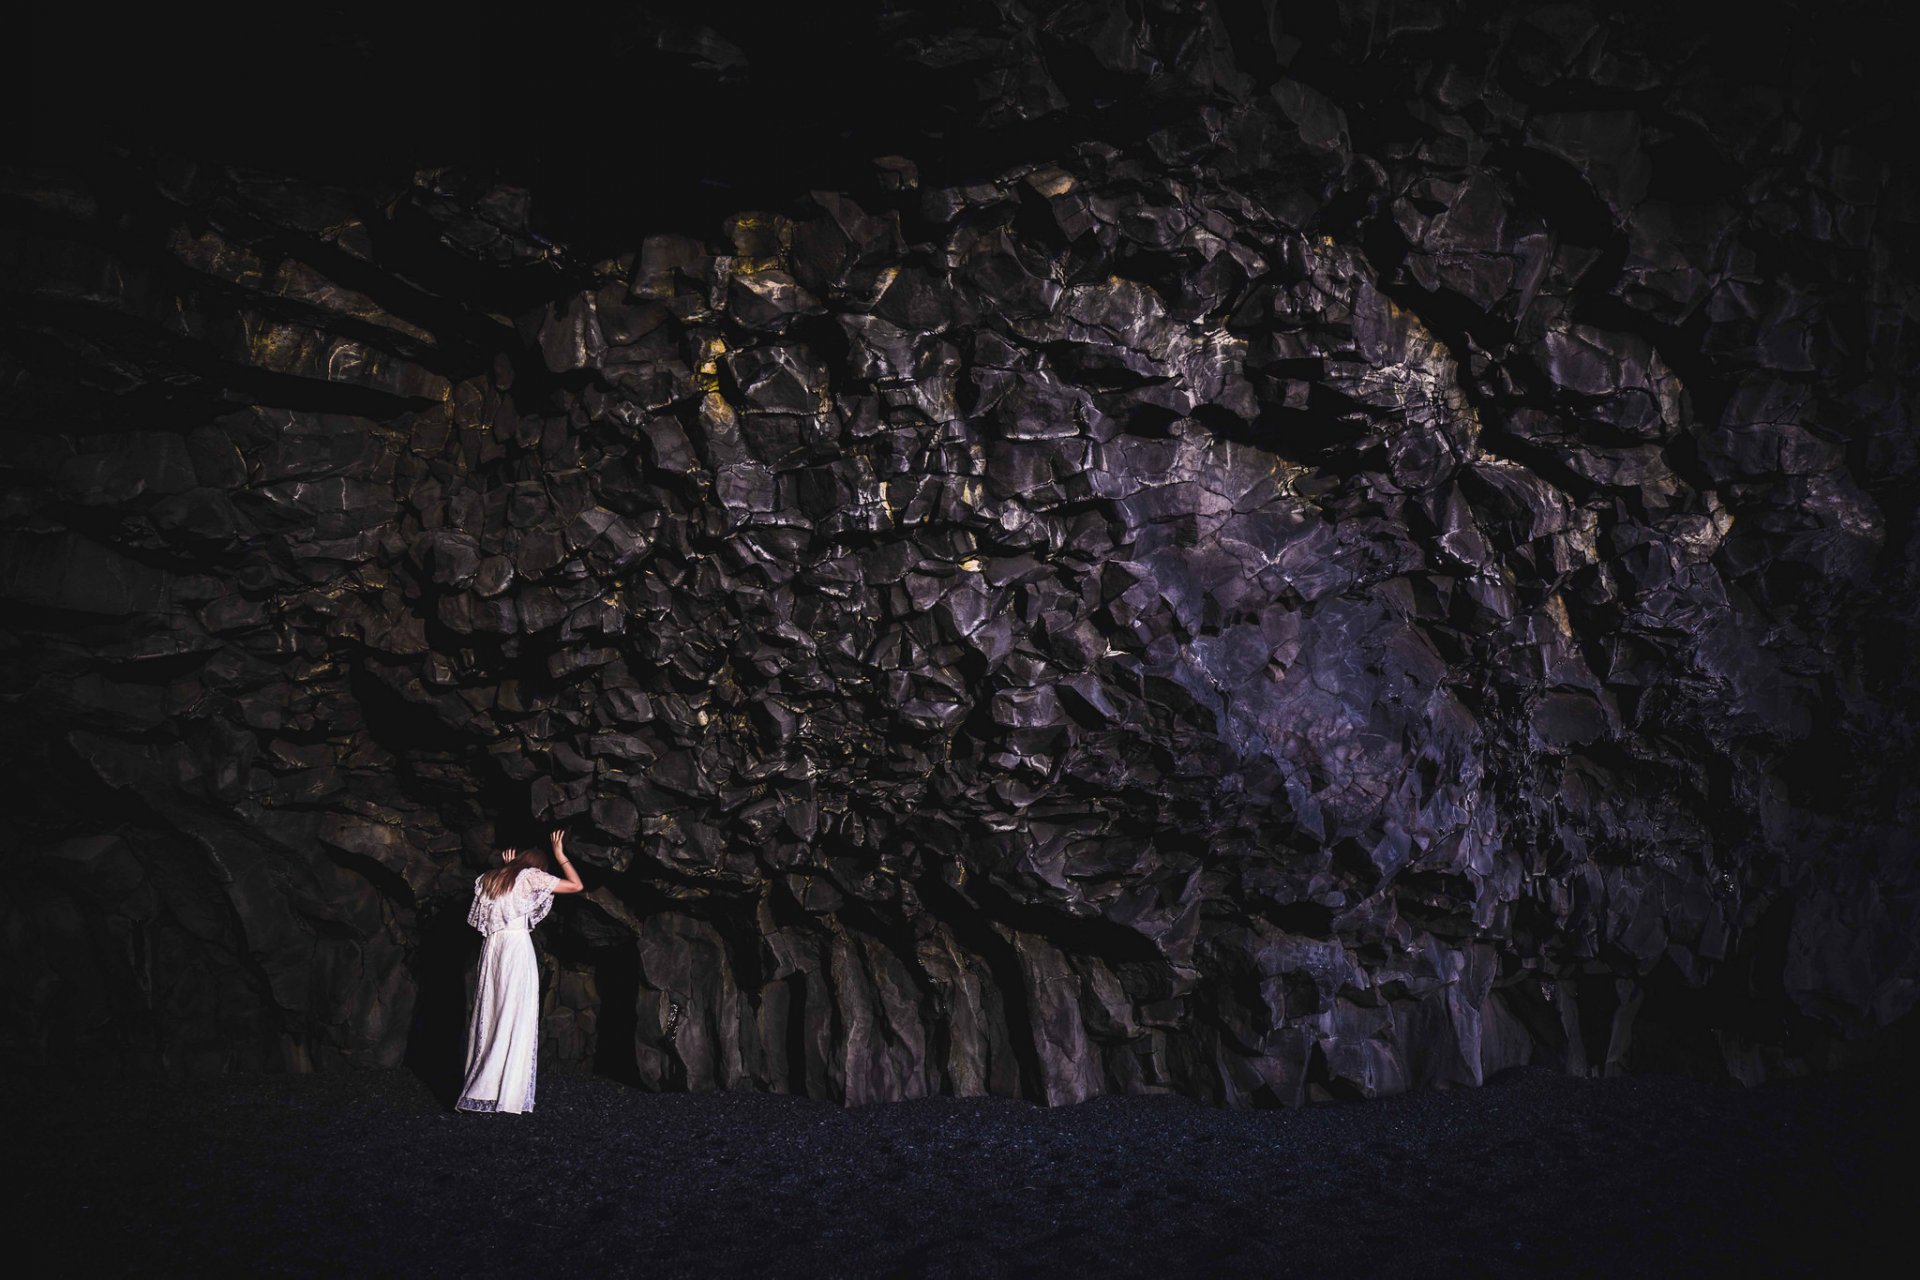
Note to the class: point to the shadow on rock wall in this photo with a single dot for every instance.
(1313, 561)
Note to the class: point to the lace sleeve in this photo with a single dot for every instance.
(537, 886)
(477, 913)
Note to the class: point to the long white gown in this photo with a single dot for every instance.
(503, 1029)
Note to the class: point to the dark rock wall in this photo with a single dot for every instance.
(1315, 558)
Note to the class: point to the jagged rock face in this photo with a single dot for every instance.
(1316, 597)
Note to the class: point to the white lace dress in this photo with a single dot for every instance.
(503, 1030)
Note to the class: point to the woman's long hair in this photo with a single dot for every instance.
(500, 879)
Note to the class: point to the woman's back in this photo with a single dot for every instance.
(524, 904)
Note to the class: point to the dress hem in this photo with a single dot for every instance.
(486, 1104)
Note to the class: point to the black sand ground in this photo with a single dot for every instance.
(1534, 1174)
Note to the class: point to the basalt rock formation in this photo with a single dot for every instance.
(1309, 554)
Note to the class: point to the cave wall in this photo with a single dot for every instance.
(1393, 560)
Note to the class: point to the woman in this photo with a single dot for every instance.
(503, 1031)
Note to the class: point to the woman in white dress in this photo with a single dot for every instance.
(503, 1030)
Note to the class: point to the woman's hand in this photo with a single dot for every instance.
(555, 839)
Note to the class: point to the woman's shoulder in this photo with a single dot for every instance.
(535, 878)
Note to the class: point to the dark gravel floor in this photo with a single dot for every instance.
(1534, 1174)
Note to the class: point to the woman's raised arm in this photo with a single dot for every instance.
(570, 881)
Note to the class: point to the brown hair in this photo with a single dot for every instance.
(500, 880)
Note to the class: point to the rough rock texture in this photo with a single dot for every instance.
(1347, 558)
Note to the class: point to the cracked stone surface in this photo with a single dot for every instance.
(1389, 559)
